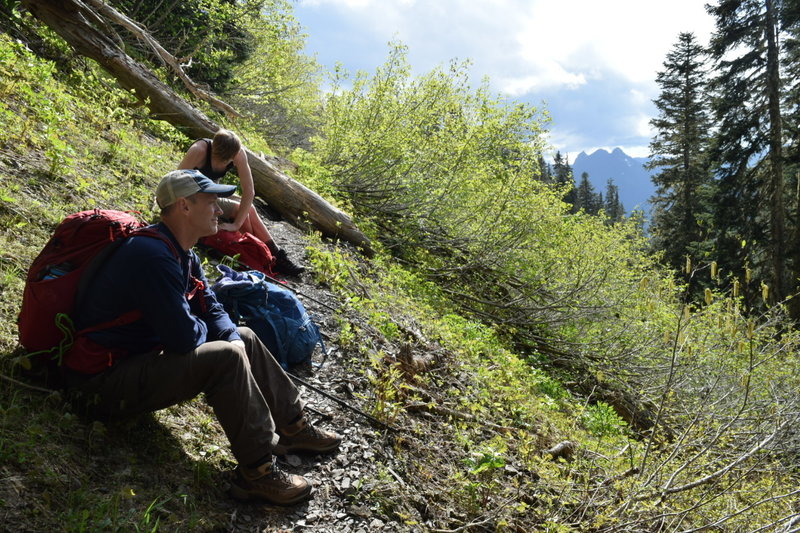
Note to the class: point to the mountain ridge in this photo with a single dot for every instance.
(628, 172)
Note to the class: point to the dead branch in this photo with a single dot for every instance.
(793, 520)
(26, 385)
(613, 479)
(168, 59)
(724, 470)
(446, 411)
(298, 204)
(563, 450)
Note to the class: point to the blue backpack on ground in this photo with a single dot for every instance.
(274, 313)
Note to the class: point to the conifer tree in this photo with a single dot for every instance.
(613, 208)
(562, 173)
(678, 150)
(790, 16)
(586, 197)
(748, 148)
(545, 171)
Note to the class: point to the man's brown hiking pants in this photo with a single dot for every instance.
(250, 393)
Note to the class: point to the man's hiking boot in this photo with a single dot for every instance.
(302, 436)
(269, 483)
(284, 265)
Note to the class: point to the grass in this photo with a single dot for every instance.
(88, 477)
(67, 146)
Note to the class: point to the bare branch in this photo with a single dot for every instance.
(794, 519)
(724, 470)
(168, 59)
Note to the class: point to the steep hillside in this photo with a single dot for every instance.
(426, 453)
(625, 411)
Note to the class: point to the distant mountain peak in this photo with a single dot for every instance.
(628, 173)
(602, 152)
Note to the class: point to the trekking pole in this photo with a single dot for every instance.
(343, 403)
(293, 289)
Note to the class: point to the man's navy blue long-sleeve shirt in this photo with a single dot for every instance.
(144, 274)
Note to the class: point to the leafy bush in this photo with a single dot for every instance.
(90, 138)
(600, 419)
(448, 177)
(278, 85)
(421, 154)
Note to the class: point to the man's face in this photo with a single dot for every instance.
(203, 213)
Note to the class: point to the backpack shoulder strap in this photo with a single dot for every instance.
(99, 260)
(155, 234)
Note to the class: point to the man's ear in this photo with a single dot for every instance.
(182, 204)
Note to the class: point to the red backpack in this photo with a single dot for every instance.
(243, 246)
(77, 248)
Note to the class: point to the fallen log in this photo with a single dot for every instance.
(302, 207)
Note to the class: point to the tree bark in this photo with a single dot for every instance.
(299, 205)
(776, 189)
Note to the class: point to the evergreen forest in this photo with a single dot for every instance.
(508, 351)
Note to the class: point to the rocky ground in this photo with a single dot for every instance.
(342, 480)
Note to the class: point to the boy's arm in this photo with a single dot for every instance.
(247, 185)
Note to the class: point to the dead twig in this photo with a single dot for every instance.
(26, 385)
(442, 410)
(628, 473)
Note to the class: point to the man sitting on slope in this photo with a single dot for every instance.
(183, 346)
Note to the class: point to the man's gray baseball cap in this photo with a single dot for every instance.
(183, 183)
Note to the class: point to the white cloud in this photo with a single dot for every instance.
(641, 108)
(535, 43)
(602, 55)
(638, 96)
(557, 77)
(641, 126)
(561, 140)
(626, 37)
(636, 151)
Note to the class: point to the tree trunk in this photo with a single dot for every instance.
(295, 202)
(776, 199)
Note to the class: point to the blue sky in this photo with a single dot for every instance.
(592, 64)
